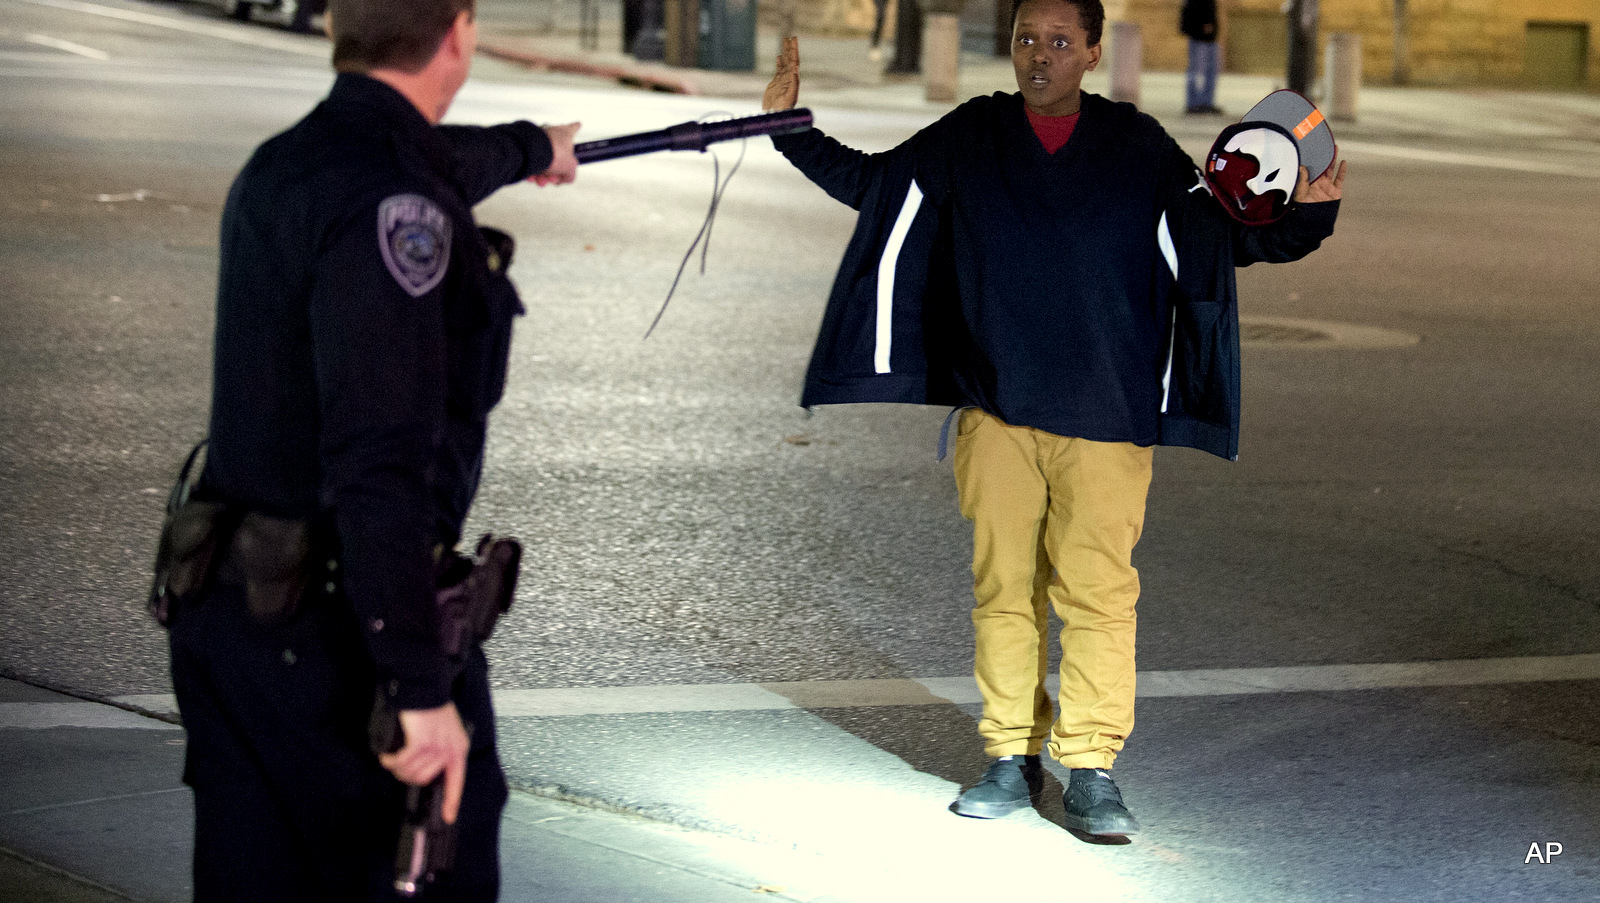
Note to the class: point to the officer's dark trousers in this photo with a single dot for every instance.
(290, 804)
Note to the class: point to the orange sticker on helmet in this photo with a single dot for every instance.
(1308, 124)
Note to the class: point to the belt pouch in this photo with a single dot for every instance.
(271, 554)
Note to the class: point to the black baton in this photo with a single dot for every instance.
(694, 136)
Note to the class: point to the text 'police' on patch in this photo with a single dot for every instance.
(414, 235)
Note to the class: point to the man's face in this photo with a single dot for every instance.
(1050, 52)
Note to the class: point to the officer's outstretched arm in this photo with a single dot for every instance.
(488, 158)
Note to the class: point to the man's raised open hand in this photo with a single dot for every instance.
(783, 92)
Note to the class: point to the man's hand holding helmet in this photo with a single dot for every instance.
(1330, 187)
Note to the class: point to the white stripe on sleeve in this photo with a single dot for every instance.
(1164, 240)
(886, 268)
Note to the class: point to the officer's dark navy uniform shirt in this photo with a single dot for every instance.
(361, 341)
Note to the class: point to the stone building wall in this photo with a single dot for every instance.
(1450, 42)
(824, 17)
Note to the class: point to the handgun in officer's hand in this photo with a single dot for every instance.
(427, 844)
(473, 592)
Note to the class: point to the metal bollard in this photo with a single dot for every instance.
(1302, 26)
(1342, 92)
(589, 24)
(683, 33)
(941, 37)
(1127, 60)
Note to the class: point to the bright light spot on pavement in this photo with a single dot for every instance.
(870, 840)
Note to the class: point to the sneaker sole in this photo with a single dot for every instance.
(990, 810)
(1107, 828)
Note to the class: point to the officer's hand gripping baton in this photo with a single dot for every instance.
(694, 136)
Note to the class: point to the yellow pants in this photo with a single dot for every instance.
(1054, 518)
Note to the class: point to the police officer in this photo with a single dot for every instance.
(363, 326)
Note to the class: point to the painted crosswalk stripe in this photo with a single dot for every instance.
(820, 694)
(293, 82)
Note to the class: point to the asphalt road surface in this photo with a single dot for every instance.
(1416, 484)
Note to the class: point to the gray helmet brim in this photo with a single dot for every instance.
(1292, 112)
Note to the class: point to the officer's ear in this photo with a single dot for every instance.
(462, 39)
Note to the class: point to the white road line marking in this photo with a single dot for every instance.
(41, 715)
(222, 32)
(292, 83)
(90, 802)
(68, 46)
(29, 56)
(964, 690)
(1449, 157)
(633, 700)
(1336, 678)
(813, 694)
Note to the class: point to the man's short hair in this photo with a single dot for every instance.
(1091, 15)
(390, 34)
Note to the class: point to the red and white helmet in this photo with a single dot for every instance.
(1253, 166)
(1252, 170)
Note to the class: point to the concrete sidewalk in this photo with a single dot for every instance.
(94, 811)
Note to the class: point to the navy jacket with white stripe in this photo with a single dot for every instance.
(1086, 293)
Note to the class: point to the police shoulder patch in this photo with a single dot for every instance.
(414, 237)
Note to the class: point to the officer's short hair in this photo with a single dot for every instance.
(390, 34)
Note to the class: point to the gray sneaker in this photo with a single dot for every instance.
(1094, 804)
(1010, 784)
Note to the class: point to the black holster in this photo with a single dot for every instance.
(186, 558)
(474, 592)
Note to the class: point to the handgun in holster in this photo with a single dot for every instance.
(473, 592)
